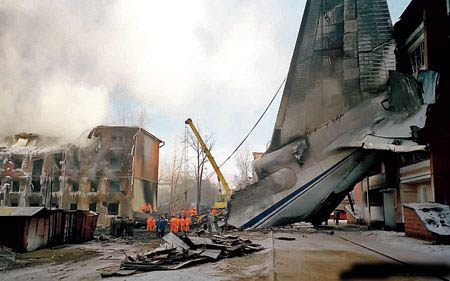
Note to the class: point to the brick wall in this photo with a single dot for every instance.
(414, 226)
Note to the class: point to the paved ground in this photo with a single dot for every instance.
(313, 255)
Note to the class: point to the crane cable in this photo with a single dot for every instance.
(240, 144)
(251, 130)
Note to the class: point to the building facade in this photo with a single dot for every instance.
(112, 172)
(423, 43)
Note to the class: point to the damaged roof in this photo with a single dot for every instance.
(20, 211)
(95, 131)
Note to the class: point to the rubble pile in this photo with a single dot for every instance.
(179, 252)
(7, 258)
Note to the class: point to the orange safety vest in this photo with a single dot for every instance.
(188, 224)
(173, 224)
(149, 224)
(153, 224)
(182, 224)
(214, 211)
(177, 224)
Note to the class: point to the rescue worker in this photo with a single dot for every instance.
(146, 208)
(112, 227)
(177, 224)
(188, 224)
(192, 212)
(150, 224)
(129, 229)
(119, 227)
(182, 224)
(154, 224)
(214, 211)
(173, 225)
(161, 227)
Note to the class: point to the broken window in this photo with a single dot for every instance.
(113, 209)
(115, 161)
(73, 206)
(114, 186)
(36, 185)
(15, 186)
(94, 186)
(58, 160)
(37, 167)
(417, 57)
(93, 207)
(55, 185)
(75, 186)
(17, 160)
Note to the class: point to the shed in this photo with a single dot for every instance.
(31, 228)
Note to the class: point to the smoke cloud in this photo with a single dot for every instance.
(65, 62)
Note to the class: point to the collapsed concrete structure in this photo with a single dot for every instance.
(344, 109)
(112, 171)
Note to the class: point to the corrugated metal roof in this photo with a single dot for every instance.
(19, 211)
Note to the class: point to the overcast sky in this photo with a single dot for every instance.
(67, 64)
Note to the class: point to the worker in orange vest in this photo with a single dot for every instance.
(173, 224)
(214, 211)
(151, 224)
(182, 224)
(188, 224)
(146, 208)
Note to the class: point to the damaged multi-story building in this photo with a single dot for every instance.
(421, 176)
(112, 171)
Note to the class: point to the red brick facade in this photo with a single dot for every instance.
(414, 226)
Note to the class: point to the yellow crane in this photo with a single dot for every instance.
(222, 199)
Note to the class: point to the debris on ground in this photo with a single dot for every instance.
(7, 258)
(180, 252)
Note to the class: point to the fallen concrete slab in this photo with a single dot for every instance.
(180, 252)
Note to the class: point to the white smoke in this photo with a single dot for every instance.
(64, 62)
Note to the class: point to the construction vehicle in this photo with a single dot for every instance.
(222, 198)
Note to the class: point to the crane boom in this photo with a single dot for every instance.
(210, 157)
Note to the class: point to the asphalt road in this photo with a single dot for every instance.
(311, 256)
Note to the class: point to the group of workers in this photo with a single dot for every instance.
(180, 224)
(157, 226)
(177, 224)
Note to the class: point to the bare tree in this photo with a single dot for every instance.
(170, 174)
(243, 161)
(200, 159)
(127, 115)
